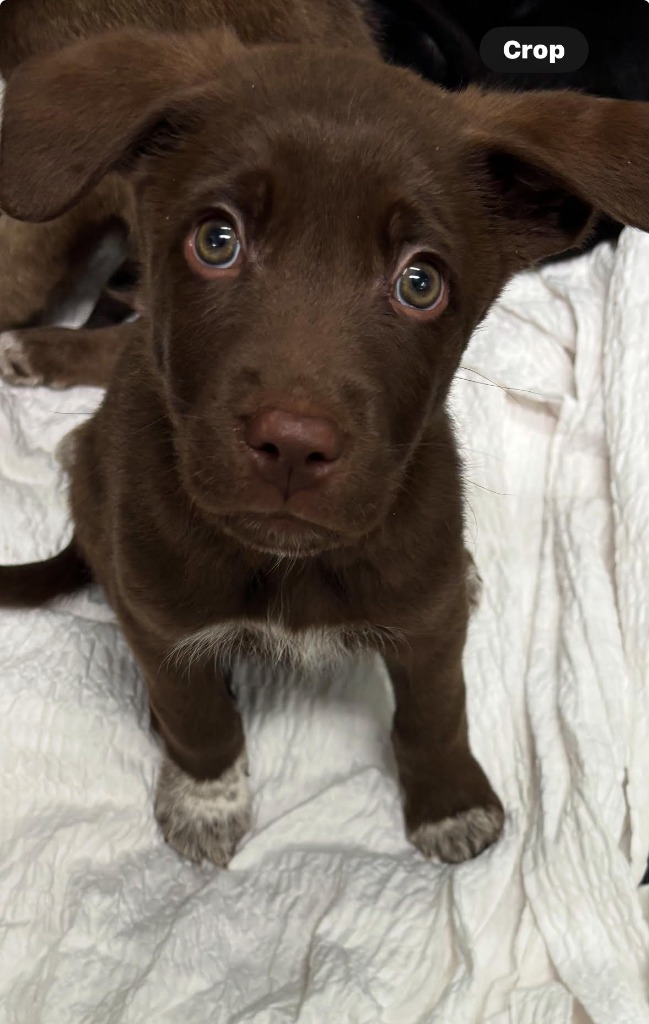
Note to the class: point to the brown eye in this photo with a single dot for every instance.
(420, 286)
(215, 244)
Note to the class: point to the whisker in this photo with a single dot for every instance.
(487, 382)
(483, 487)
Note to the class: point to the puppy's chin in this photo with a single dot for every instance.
(283, 535)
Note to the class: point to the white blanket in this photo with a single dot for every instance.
(327, 915)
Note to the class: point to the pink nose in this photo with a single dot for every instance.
(293, 452)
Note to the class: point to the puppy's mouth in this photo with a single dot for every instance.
(281, 533)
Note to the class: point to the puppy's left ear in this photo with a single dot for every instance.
(550, 163)
(90, 108)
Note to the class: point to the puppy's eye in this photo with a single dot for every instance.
(420, 286)
(214, 247)
(217, 244)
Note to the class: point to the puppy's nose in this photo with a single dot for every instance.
(293, 452)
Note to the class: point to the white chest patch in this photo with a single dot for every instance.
(307, 651)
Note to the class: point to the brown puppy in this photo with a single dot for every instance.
(272, 471)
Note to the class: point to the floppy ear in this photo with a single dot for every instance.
(71, 117)
(553, 161)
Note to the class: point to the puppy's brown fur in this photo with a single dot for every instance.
(335, 168)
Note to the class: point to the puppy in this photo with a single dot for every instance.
(273, 473)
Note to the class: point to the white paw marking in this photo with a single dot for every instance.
(14, 362)
(461, 837)
(204, 820)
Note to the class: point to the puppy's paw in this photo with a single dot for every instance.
(461, 837)
(15, 364)
(204, 820)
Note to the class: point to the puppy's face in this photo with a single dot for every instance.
(315, 266)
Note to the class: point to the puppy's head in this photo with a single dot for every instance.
(320, 234)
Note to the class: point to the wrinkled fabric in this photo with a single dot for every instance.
(327, 914)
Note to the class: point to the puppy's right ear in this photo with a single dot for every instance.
(73, 116)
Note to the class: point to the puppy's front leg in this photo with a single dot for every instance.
(202, 802)
(451, 811)
(58, 357)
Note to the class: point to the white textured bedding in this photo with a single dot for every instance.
(327, 915)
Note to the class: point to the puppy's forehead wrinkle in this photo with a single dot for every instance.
(371, 145)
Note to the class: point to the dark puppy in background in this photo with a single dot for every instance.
(272, 472)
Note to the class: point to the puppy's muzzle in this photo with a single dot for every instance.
(293, 453)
